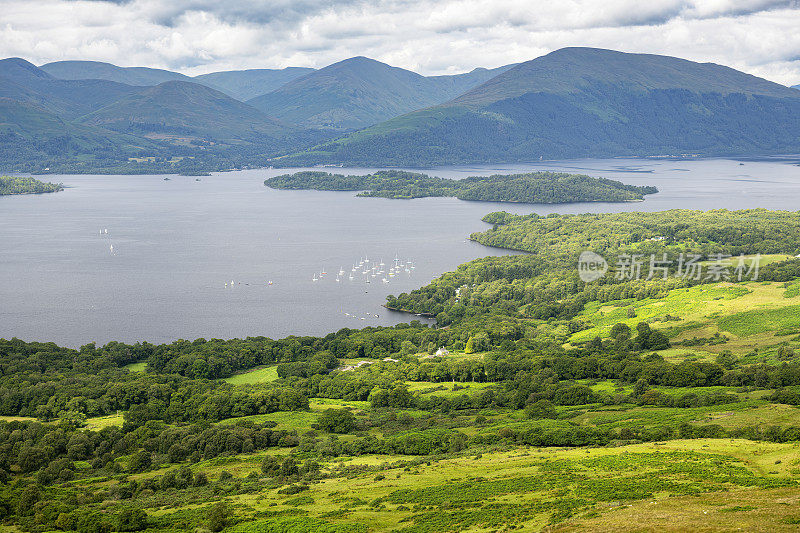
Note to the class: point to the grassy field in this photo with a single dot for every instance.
(100, 422)
(531, 489)
(446, 389)
(136, 367)
(17, 419)
(751, 315)
(257, 375)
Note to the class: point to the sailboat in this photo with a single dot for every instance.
(314, 278)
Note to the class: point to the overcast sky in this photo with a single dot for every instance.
(761, 37)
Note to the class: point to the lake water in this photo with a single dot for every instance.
(177, 243)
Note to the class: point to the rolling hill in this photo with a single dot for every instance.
(239, 84)
(23, 81)
(96, 70)
(584, 102)
(246, 84)
(188, 113)
(36, 138)
(359, 92)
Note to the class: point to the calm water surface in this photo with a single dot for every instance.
(177, 243)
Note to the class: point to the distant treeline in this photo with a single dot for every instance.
(532, 187)
(19, 185)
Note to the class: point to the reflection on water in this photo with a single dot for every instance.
(164, 269)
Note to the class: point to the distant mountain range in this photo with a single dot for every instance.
(246, 84)
(83, 124)
(95, 70)
(81, 116)
(585, 102)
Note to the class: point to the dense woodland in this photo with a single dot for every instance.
(533, 187)
(20, 185)
(193, 450)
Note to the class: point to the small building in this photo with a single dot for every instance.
(441, 352)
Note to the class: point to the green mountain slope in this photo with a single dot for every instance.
(25, 82)
(246, 84)
(30, 133)
(188, 111)
(583, 102)
(87, 70)
(359, 92)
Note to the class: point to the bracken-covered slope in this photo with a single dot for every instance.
(581, 102)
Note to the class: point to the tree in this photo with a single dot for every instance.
(785, 352)
(131, 519)
(140, 461)
(620, 331)
(541, 409)
(470, 348)
(271, 466)
(337, 421)
(30, 495)
(218, 517)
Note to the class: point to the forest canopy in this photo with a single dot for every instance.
(532, 187)
(19, 185)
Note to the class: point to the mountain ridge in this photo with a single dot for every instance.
(359, 91)
(194, 110)
(584, 102)
(85, 70)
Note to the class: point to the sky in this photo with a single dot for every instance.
(761, 37)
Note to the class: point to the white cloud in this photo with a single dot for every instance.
(431, 37)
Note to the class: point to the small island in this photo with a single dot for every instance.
(19, 185)
(531, 188)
